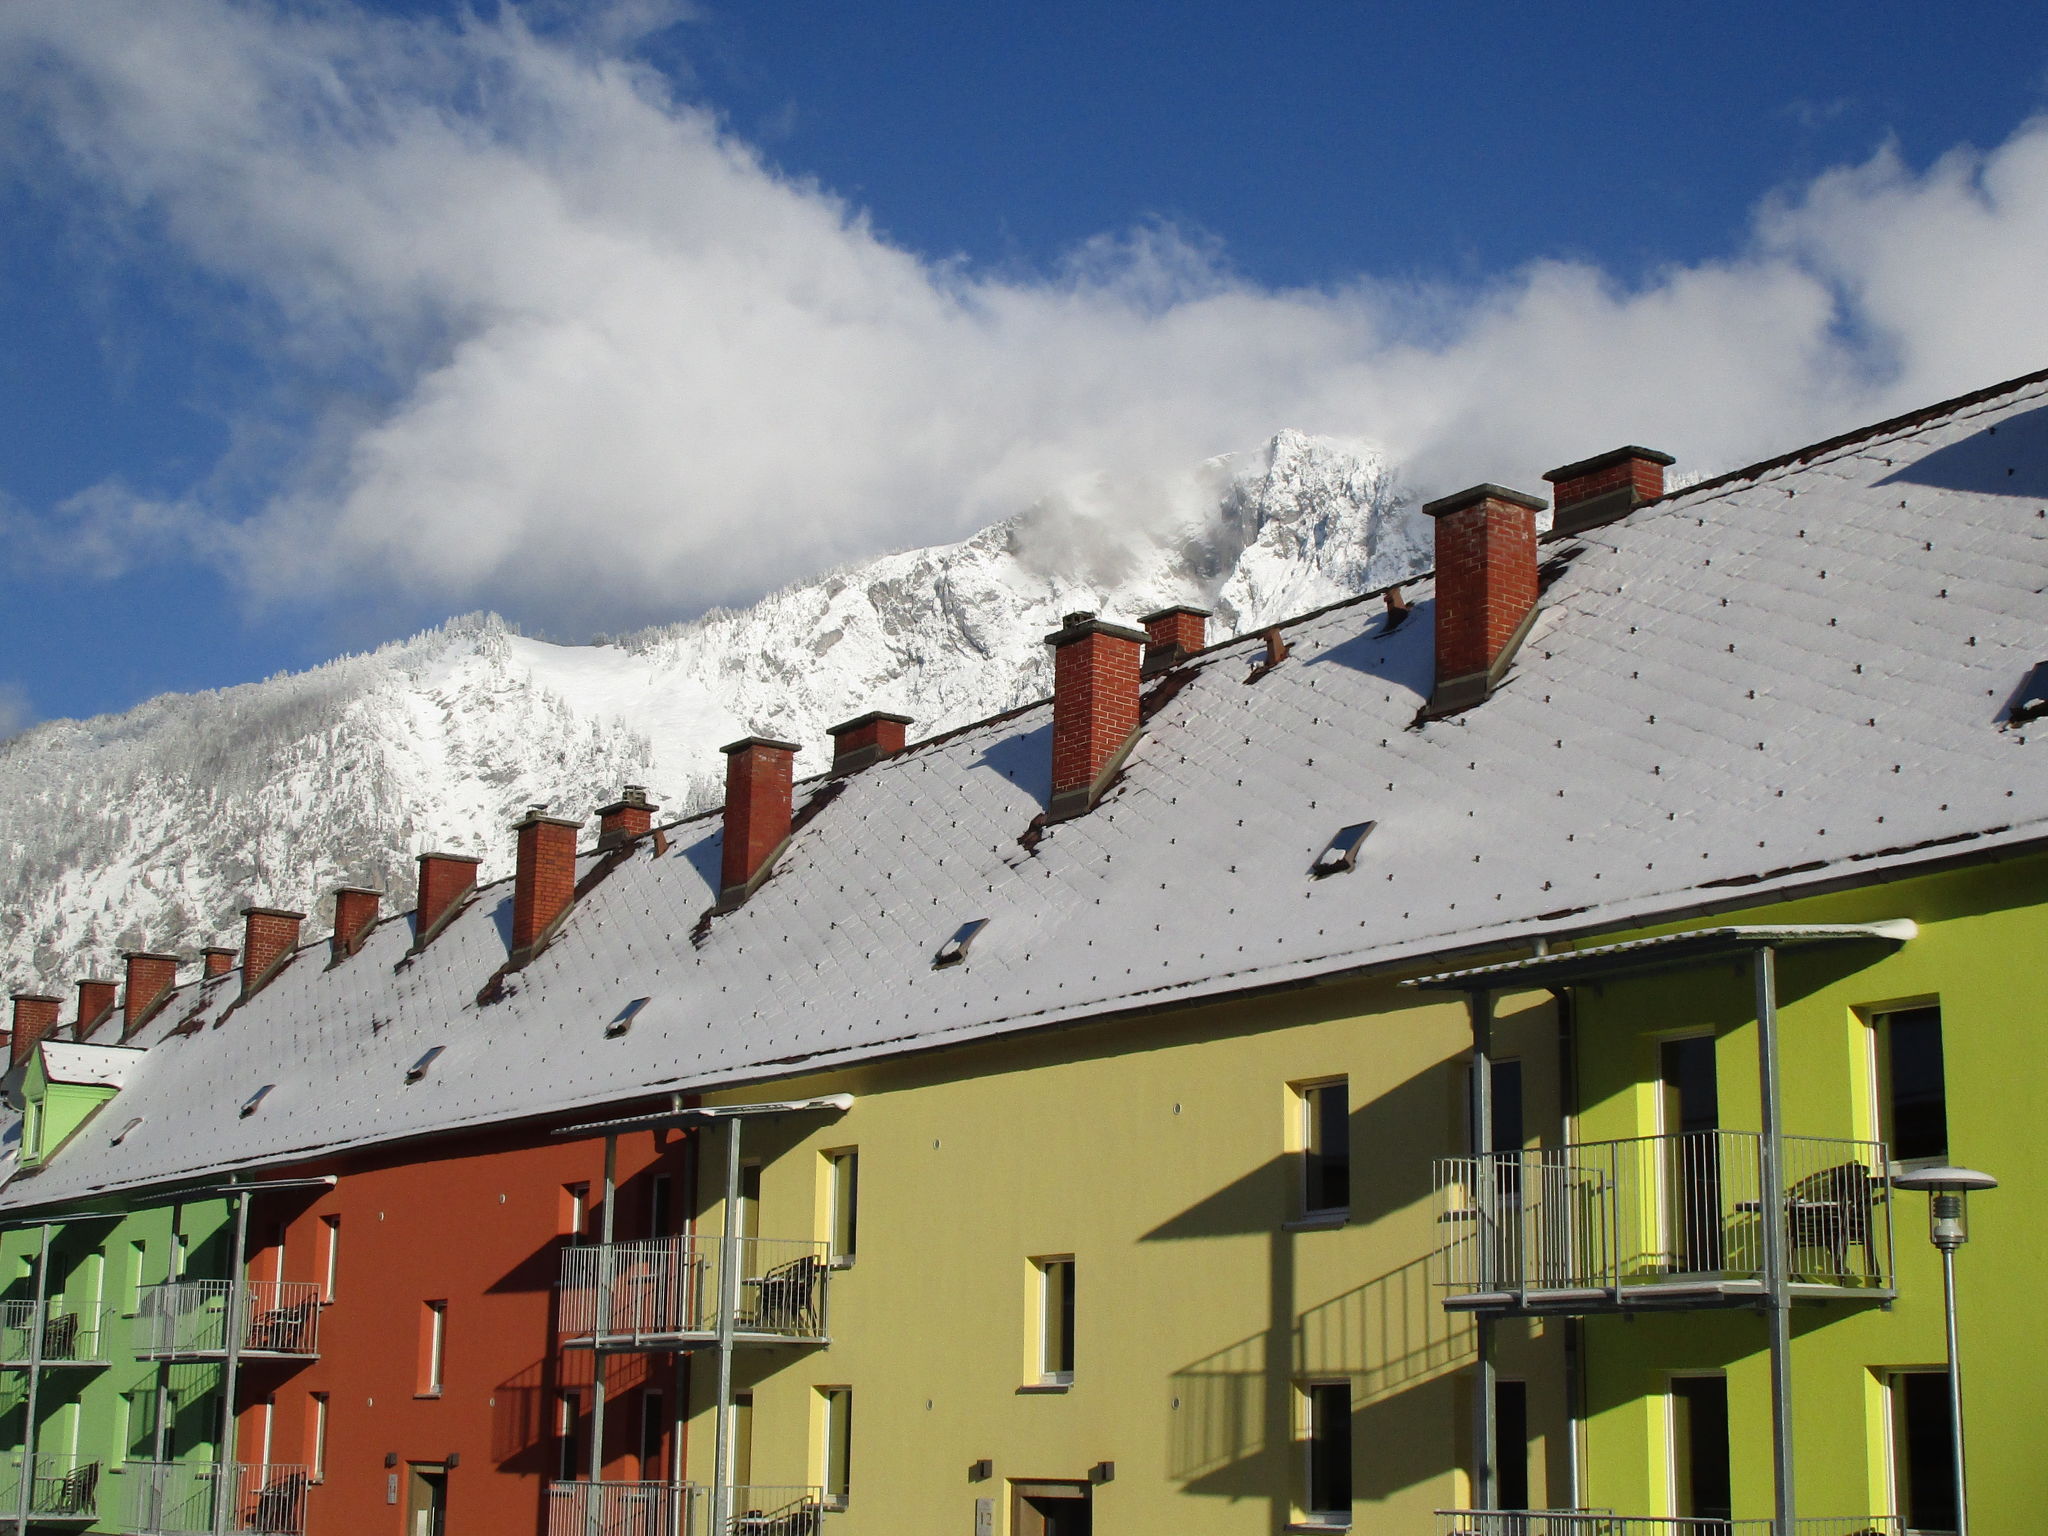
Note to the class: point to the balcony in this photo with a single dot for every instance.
(68, 1336)
(1548, 1522)
(188, 1320)
(1672, 1221)
(63, 1490)
(666, 1293)
(662, 1509)
(182, 1498)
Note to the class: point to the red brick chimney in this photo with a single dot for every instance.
(150, 977)
(626, 820)
(1174, 634)
(759, 773)
(1610, 485)
(35, 1015)
(445, 878)
(96, 997)
(544, 882)
(867, 739)
(217, 959)
(1485, 590)
(355, 911)
(1094, 707)
(269, 935)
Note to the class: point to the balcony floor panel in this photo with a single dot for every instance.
(1676, 1294)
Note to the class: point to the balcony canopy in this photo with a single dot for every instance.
(1701, 945)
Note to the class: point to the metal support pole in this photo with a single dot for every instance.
(223, 1483)
(606, 1260)
(1485, 1450)
(679, 1389)
(1955, 1390)
(1777, 1293)
(728, 1311)
(35, 1381)
(1567, 1004)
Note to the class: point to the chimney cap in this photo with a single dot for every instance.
(147, 954)
(98, 981)
(272, 912)
(536, 817)
(1603, 460)
(872, 717)
(456, 858)
(747, 742)
(32, 997)
(634, 798)
(1187, 608)
(1444, 506)
(1078, 626)
(218, 949)
(357, 890)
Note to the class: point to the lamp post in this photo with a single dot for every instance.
(1948, 1228)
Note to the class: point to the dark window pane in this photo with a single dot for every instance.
(1700, 1419)
(1919, 1107)
(653, 1430)
(1329, 1148)
(1329, 1448)
(1689, 1080)
(1927, 1470)
(1511, 1441)
(1507, 1106)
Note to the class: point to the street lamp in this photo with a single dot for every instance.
(1948, 1228)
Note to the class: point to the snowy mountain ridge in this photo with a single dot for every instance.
(153, 827)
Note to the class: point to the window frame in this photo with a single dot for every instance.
(433, 1376)
(1056, 1311)
(842, 1206)
(1877, 1020)
(1315, 1163)
(1309, 1396)
(835, 1445)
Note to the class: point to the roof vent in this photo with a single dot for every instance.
(623, 1020)
(122, 1134)
(256, 1098)
(1342, 854)
(2031, 702)
(954, 950)
(418, 1069)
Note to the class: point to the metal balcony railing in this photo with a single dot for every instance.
(61, 1490)
(1553, 1522)
(188, 1319)
(662, 1509)
(668, 1292)
(70, 1335)
(184, 1498)
(1659, 1218)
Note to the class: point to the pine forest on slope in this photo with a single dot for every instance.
(152, 828)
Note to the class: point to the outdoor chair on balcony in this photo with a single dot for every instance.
(786, 1298)
(60, 1337)
(1831, 1211)
(284, 1330)
(75, 1493)
(278, 1508)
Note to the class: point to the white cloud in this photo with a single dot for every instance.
(622, 367)
(16, 714)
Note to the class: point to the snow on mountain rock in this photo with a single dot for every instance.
(153, 827)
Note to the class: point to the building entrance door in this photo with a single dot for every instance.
(1053, 1509)
(427, 1501)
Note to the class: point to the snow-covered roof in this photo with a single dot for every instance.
(1785, 676)
(88, 1065)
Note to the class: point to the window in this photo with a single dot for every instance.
(316, 1435)
(138, 1255)
(573, 1222)
(433, 1347)
(1923, 1457)
(1326, 1441)
(1055, 1321)
(1511, 1444)
(568, 1437)
(330, 1233)
(653, 1434)
(661, 1205)
(1325, 1133)
(1700, 1471)
(750, 1200)
(844, 1204)
(836, 1467)
(1912, 1091)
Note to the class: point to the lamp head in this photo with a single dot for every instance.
(1948, 1189)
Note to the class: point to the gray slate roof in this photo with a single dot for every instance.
(1790, 673)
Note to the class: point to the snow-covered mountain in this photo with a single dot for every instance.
(151, 828)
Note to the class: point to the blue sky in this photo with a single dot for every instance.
(323, 323)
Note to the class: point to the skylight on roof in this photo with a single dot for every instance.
(623, 1021)
(2031, 702)
(954, 950)
(418, 1069)
(1342, 854)
(254, 1099)
(122, 1134)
